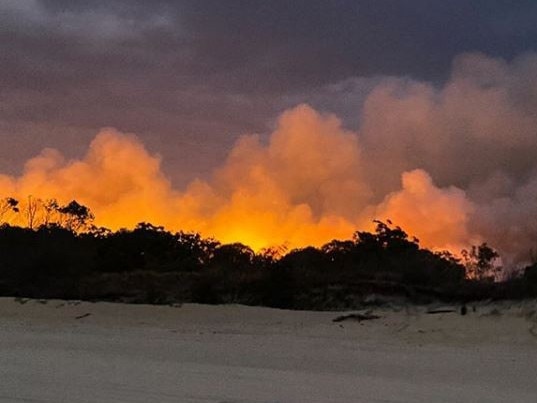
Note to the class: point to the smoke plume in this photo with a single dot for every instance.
(453, 166)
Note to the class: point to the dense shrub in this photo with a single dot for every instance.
(150, 264)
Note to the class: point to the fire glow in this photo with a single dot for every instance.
(314, 181)
(303, 188)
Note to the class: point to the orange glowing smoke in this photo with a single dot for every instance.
(453, 165)
(305, 187)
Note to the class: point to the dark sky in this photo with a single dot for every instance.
(190, 76)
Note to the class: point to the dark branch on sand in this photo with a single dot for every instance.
(356, 316)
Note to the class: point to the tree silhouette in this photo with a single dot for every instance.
(76, 217)
(480, 262)
(62, 254)
(8, 206)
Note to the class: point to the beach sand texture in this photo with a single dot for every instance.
(69, 351)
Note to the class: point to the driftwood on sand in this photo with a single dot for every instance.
(356, 316)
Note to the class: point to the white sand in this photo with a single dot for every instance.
(196, 353)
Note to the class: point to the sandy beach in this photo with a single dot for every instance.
(70, 351)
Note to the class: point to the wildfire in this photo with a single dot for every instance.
(306, 186)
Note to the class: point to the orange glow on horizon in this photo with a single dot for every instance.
(305, 187)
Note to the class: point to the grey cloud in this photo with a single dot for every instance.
(480, 122)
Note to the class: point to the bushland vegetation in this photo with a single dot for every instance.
(56, 252)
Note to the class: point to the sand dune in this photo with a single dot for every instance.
(58, 351)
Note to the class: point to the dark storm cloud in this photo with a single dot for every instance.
(312, 42)
(256, 45)
(189, 76)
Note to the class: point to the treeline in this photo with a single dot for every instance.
(35, 213)
(68, 257)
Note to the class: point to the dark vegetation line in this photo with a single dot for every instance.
(66, 257)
